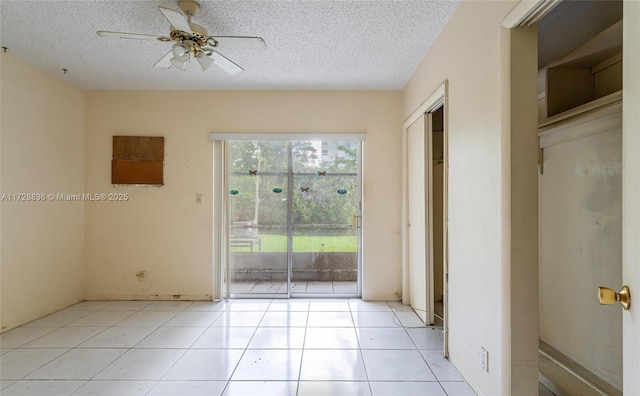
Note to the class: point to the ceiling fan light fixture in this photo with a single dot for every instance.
(204, 60)
(178, 64)
(180, 52)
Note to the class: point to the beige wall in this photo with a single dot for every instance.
(42, 152)
(469, 53)
(162, 231)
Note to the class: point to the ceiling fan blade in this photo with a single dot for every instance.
(237, 42)
(134, 36)
(165, 61)
(225, 63)
(176, 19)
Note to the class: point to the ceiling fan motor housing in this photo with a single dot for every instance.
(199, 36)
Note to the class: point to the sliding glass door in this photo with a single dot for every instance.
(293, 218)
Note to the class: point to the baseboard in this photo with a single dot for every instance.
(149, 297)
(565, 377)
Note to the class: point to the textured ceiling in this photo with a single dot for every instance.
(346, 45)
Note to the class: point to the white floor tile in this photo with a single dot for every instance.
(243, 306)
(262, 388)
(60, 318)
(269, 364)
(148, 318)
(331, 338)
(115, 388)
(21, 335)
(193, 318)
(345, 287)
(457, 389)
(127, 305)
(40, 388)
(210, 306)
(319, 287)
(6, 383)
(333, 388)
(278, 347)
(375, 319)
(282, 319)
(65, 337)
(392, 365)
(77, 364)
(407, 389)
(270, 288)
(298, 287)
(427, 338)
(409, 319)
(278, 338)
(251, 319)
(172, 337)
(384, 338)
(20, 362)
(329, 305)
(225, 337)
(289, 305)
(167, 306)
(441, 367)
(141, 364)
(102, 318)
(357, 304)
(205, 365)
(332, 365)
(188, 388)
(119, 337)
(88, 306)
(330, 319)
(398, 306)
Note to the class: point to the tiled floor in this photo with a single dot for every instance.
(311, 287)
(239, 347)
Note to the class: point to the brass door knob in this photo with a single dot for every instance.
(608, 296)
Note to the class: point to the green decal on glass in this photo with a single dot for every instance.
(253, 172)
(304, 189)
(322, 173)
(277, 190)
(342, 191)
(233, 192)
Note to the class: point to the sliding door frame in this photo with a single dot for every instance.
(221, 225)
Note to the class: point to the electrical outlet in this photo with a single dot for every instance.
(485, 360)
(198, 198)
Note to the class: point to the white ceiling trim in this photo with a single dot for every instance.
(528, 12)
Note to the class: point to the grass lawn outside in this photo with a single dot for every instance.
(305, 243)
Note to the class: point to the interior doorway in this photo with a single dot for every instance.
(580, 196)
(425, 260)
(293, 218)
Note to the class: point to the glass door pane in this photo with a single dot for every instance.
(325, 217)
(258, 218)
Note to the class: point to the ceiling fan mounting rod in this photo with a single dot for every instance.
(189, 7)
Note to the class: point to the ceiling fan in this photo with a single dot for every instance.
(192, 39)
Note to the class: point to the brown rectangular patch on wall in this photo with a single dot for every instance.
(137, 160)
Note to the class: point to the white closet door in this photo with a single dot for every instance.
(419, 164)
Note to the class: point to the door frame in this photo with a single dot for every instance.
(439, 98)
(523, 377)
(221, 275)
